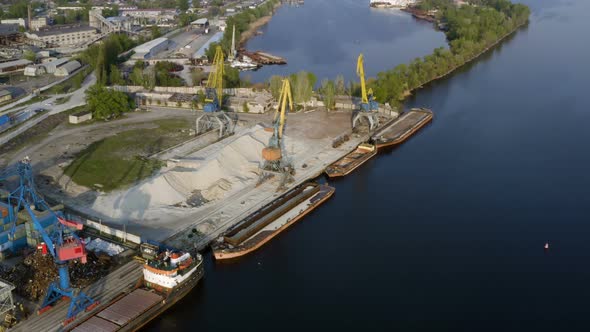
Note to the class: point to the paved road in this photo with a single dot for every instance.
(77, 98)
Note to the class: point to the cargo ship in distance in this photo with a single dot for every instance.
(168, 276)
(391, 3)
(352, 161)
(266, 223)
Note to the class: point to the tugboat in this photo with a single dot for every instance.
(168, 276)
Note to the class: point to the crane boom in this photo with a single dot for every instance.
(360, 71)
(281, 110)
(214, 95)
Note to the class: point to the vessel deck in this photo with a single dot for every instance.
(402, 128)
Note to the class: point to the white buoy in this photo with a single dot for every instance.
(546, 245)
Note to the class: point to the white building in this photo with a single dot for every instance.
(20, 21)
(67, 69)
(150, 49)
(51, 67)
(34, 70)
(80, 117)
(36, 23)
(13, 66)
(64, 35)
(154, 13)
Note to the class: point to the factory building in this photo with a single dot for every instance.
(13, 66)
(67, 69)
(150, 49)
(64, 35)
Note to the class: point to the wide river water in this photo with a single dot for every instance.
(446, 232)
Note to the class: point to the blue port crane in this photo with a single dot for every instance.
(62, 242)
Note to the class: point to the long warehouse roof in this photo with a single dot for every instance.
(215, 38)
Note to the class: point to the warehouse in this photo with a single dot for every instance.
(64, 35)
(5, 95)
(51, 67)
(68, 68)
(34, 70)
(12, 66)
(150, 49)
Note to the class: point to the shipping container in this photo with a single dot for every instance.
(4, 119)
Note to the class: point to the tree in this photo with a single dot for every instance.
(156, 33)
(340, 85)
(182, 5)
(115, 76)
(328, 92)
(30, 55)
(136, 76)
(302, 86)
(106, 104)
(275, 83)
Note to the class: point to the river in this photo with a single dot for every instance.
(446, 232)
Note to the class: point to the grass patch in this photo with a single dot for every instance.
(62, 100)
(36, 133)
(71, 84)
(122, 160)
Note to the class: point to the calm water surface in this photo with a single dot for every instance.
(446, 232)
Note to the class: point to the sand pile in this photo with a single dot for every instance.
(214, 172)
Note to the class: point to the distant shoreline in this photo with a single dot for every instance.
(254, 26)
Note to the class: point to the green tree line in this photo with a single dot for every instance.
(469, 30)
(241, 21)
(104, 57)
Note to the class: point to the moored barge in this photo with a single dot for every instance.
(351, 161)
(168, 276)
(266, 223)
(402, 128)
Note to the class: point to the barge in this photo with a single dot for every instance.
(352, 160)
(168, 276)
(266, 223)
(402, 128)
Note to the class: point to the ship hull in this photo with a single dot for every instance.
(403, 128)
(181, 291)
(336, 170)
(263, 237)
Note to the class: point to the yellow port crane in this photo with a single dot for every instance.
(367, 103)
(214, 89)
(274, 160)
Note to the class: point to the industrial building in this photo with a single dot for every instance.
(68, 68)
(9, 34)
(5, 95)
(34, 70)
(200, 53)
(150, 49)
(13, 66)
(36, 23)
(64, 35)
(154, 13)
(80, 117)
(51, 67)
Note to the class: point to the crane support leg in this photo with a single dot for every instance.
(78, 302)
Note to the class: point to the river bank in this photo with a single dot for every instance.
(254, 26)
(408, 93)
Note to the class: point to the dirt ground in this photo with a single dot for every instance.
(309, 138)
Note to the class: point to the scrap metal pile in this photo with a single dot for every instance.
(33, 276)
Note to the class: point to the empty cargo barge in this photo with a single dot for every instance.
(264, 224)
(402, 128)
(167, 277)
(352, 160)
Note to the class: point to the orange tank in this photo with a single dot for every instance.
(271, 154)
